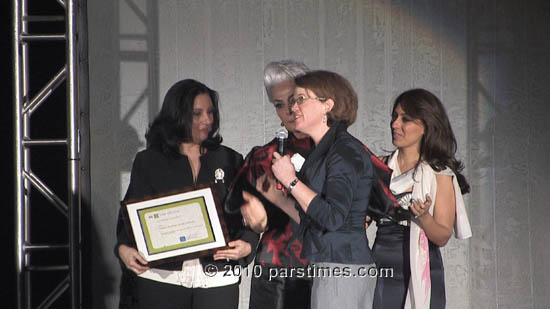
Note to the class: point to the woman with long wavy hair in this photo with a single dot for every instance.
(427, 180)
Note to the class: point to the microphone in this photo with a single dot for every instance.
(281, 134)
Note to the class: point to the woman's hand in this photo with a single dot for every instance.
(419, 208)
(267, 186)
(132, 259)
(253, 213)
(283, 169)
(239, 249)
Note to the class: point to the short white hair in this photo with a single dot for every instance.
(276, 72)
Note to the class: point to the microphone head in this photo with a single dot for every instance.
(281, 133)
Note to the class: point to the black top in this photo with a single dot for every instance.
(340, 170)
(154, 174)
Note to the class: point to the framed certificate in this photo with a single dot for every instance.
(179, 226)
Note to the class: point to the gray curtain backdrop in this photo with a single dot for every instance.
(487, 60)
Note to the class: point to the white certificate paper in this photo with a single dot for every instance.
(176, 225)
(173, 226)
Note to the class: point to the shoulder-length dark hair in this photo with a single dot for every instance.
(438, 144)
(172, 126)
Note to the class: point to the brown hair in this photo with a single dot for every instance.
(438, 144)
(330, 85)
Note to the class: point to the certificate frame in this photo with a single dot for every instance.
(177, 226)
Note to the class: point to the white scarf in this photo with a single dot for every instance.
(424, 182)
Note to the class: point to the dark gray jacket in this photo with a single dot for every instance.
(340, 170)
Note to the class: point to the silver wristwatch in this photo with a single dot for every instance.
(292, 185)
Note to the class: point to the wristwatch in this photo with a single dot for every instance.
(292, 185)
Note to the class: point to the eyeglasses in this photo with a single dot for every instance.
(301, 99)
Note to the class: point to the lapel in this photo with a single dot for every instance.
(319, 152)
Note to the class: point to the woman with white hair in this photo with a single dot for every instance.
(279, 249)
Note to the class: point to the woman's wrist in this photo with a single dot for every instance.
(422, 219)
(292, 184)
(287, 180)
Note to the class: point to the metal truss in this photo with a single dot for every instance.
(73, 75)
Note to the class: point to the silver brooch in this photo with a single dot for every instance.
(218, 175)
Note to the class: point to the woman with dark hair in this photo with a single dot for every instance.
(330, 192)
(184, 150)
(427, 180)
(174, 124)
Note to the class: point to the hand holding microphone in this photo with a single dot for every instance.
(283, 169)
(295, 162)
(281, 134)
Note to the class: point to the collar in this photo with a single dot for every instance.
(324, 145)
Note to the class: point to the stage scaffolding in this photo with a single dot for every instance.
(73, 76)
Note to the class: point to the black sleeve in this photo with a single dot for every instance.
(234, 198)
(247, 234)
(252, 238)
(344, 167)
(138, 188)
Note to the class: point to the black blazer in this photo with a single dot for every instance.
(154, 173)
(341, 172)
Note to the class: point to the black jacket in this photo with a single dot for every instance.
(154, 173)
(340, 170)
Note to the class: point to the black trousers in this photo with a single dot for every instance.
(145, 294)
(279, 292)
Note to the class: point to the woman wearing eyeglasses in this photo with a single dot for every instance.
(330, 192)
